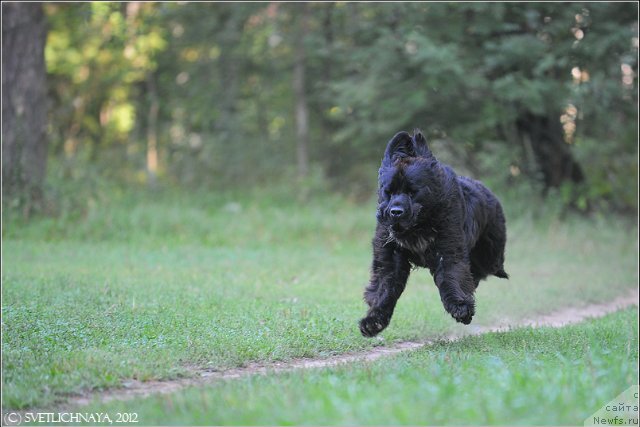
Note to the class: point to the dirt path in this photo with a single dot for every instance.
(133, 389)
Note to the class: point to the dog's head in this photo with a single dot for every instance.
(406, 180)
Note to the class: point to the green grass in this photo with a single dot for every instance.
(526, 376)
(144, 286)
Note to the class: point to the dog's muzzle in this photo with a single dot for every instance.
(396, 221)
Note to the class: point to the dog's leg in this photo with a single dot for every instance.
(389, 275)
(456, 285)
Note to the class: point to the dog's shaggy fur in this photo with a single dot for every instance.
(430, 217)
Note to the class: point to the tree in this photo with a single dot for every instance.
(300, 91)
(236, 94)
(24, 111)
(506, 79)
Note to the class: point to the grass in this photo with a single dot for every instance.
(139, 285)
(525, 376)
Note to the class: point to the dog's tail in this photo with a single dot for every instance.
(501, 274)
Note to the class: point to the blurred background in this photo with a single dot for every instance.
(193, 185)
(100, 99)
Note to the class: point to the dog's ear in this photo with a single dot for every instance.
(401, 145)
(420, 144)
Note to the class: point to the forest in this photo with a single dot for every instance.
(219, 96)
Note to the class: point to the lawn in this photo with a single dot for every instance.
(146, 286)
(526, 376)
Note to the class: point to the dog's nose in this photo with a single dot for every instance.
(396, 211)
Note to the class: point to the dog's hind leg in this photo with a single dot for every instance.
(456, 285)
(389, 275)
(496, 236)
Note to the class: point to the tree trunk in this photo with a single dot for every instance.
(24, 112)
(553, 157)
(333, 156)
(299, 90)
(227, 69)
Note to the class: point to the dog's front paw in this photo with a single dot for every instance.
(462, 311)
(372, 325)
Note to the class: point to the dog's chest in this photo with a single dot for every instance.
(421, 248)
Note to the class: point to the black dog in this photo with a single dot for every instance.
(430, 217)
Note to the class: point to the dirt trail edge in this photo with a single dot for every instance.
(132, 389)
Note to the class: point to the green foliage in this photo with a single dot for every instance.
(220, 78)
(609, 185)
(96, 54)
(468, 72)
